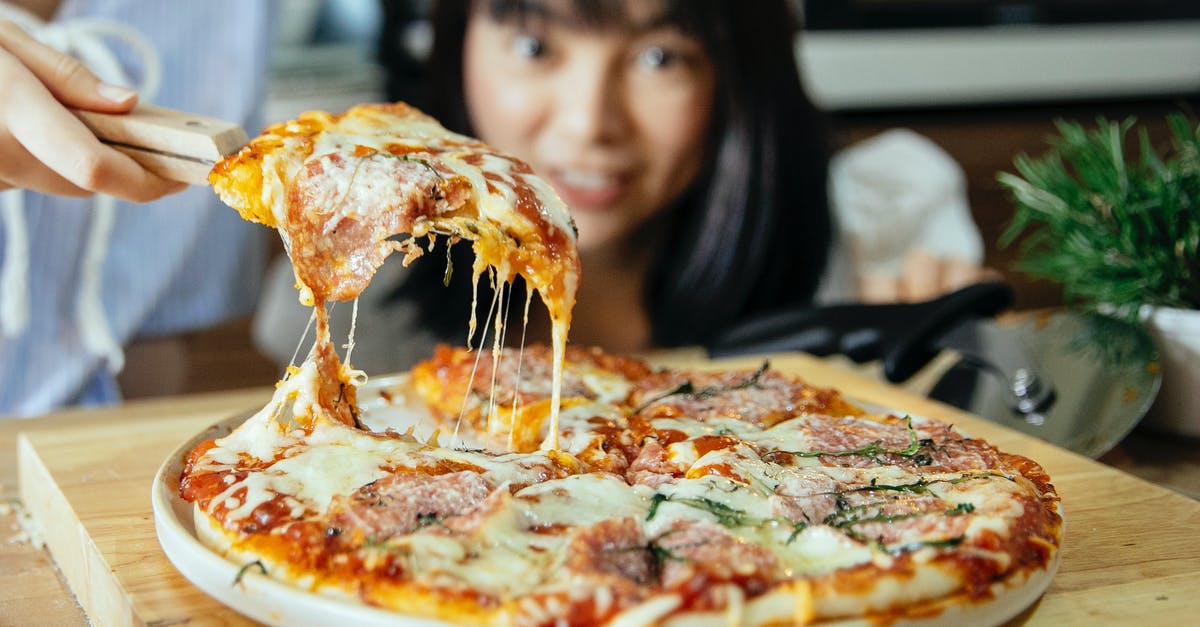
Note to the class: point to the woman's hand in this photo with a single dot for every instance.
(43, 146)
(924, 277)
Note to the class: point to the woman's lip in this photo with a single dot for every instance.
(589, 196)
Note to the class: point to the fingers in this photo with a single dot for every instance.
(878, 288)
(43, 146)
(958, 273)
(924, 276)
(17, 165)
(65, 77)
(921, 278)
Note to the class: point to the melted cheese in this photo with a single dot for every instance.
(558, 502)
(518, 222)
(819, 550)
(496, 559)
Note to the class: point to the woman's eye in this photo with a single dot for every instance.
(528, 46)
(656, 57)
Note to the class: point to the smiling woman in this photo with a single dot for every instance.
(679, 137)
(617, 117)
(677, 133)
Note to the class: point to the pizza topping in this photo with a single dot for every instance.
(600, 437)
(652, 467)
(804, 495)
(700, 554)
(342, 211)
(404, 502)
(764, 397)
(556, 503)
(616, 547)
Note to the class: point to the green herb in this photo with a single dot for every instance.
(660, 554)
(683, 388)
(921, 544)
(417, 160)
(423, 162)
(961, 508)
(921, 486)
(689, 389)
(725, 515)
(655, 501)
(846, 517)
(797, 529)
(242, 571)
(1116, 232)
(424, 519)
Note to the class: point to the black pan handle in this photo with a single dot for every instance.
(901, 335)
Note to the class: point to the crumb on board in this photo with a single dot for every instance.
(26, 528)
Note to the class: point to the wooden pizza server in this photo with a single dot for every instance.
(173, 144)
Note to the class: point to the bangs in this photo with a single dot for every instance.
(597, 15)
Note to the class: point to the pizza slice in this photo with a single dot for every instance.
(339, 188)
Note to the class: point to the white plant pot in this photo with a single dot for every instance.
(1176, 333)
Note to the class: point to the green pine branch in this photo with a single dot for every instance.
(1116, 229)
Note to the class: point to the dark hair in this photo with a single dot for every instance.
(753, 232)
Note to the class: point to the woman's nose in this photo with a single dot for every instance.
(590, 105)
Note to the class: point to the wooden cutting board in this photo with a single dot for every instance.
(1130, 555)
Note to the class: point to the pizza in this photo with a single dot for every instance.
(563, 485)
(746, 496)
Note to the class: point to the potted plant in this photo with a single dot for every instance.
(1118, 226)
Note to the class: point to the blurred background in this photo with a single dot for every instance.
(984, 79)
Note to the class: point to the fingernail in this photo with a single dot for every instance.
(115, 93)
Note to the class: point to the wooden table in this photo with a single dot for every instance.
(1130, 555)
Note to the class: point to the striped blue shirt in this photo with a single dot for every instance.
(173, 265)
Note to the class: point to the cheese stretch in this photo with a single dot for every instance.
(338, 188)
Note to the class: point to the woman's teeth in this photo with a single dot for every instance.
(586, 180)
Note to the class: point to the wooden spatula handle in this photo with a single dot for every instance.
(173, 144)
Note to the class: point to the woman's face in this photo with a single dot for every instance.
(615, 118)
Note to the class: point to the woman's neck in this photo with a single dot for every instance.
(611, 310)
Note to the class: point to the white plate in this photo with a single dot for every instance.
(270, 601)
(253, 593)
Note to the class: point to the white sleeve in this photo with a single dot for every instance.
(891, 194)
